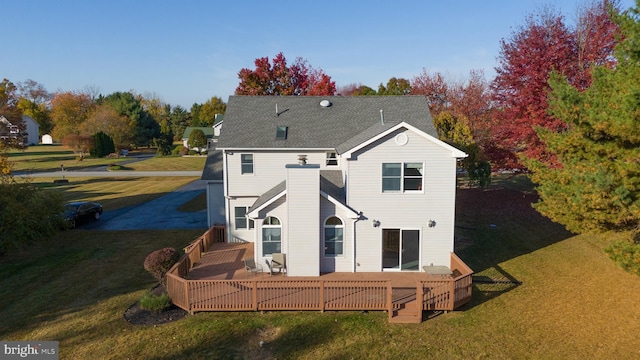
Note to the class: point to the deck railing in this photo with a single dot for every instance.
(304, 294)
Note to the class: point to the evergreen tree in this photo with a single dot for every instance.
(596, 184)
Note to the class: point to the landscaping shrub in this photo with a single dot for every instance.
(192, 152)
(183, 151)
(625, 253)
(155, 303)
(160, 261)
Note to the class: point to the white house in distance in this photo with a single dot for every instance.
(29, 134)
(338, 184)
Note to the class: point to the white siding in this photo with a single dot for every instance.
(239, 235)
(268, 170)
(344, 262)
(303, 207)
(403, 210)
(215, 204)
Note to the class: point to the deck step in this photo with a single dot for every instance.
(408, 313)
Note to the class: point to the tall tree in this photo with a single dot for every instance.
(126, 104)
(179, 120)
(395, 86)
(277, 78)
(209, 110)
(9, 102)
(544, 44)
(68, 111)
(104, 118)
(597, 183)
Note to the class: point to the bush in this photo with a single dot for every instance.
(160, 261)
(192, 152)
(155, 303)
(625, 253)
(176, 150)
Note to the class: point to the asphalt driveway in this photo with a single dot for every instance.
(159, 214)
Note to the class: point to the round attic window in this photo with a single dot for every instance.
(325, 103)
(402, 139)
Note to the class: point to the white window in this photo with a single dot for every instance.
(332, 159)
(241, 219)
(333, 237)
(246, 163)
(402, 177)
(271, 236)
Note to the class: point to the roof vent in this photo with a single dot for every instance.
(325, 103)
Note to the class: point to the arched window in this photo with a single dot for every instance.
(271, 236)
(333, 237)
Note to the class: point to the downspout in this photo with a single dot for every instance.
(227, 212)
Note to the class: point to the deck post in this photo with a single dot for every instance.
(452, 294)
(254, 295)
(322, 303)
(420, 297)
(389, 299)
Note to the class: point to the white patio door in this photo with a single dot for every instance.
(400, 249)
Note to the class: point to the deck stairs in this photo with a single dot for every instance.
(407, 311)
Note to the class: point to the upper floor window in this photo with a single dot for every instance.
(241, 220)
(332, 159)
(271, 236)
(246, 163)
(402, 177)
(333, 237)
(281, 133)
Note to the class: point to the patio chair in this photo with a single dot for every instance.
(251, 266)
(278, 262)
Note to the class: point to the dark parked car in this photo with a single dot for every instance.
(78, 212)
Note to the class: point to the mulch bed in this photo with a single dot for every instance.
(136, 315)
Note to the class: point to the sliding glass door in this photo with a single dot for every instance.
(400, 249)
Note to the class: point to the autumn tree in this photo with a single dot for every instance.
(104, 118)
(278, 78)
(544, 44)
(34, 101)
(10, 111)
(68, 111)
(206, 115)
(461, 113)
(596, 186)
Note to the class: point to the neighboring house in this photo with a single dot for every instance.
(212, 133)
(208, 132)
(338, 184)
(29, 135)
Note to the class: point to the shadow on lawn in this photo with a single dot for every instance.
(496, 225)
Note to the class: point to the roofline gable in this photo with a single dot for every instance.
(255, 212)
(454, 151)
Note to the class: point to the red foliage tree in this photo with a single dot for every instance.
(279, 79)
(545, 44)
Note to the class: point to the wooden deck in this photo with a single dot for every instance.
(216, 280)
(224, 261)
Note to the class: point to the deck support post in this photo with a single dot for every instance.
(254, 295)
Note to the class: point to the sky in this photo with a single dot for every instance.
(187, 51)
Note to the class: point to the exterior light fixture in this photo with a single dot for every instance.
(375, 223)
(431, 223)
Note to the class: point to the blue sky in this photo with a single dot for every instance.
(187, 51)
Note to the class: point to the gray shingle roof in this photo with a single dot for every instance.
(213, 167)
(250, 122)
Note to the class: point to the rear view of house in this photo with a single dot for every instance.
(337, 184)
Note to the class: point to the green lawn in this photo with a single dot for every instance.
(50, 157)
(572, 303)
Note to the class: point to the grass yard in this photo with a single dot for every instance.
(115, 193)
(50, 157)
(572, 303)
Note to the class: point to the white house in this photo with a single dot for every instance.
(28, 133)
(338, 184)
